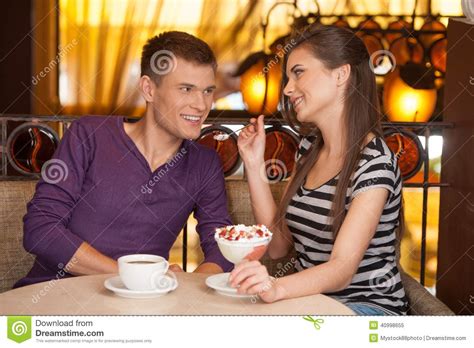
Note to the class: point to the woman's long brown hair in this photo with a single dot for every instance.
(334, 47)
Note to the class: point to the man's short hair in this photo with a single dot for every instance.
(160, 52)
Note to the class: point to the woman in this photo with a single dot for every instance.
(342, 207)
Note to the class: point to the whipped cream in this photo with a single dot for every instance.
(243, 232)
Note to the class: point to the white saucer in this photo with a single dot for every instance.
(116, 285)
(220, 283)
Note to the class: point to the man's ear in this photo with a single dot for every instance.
(147, 88)
(342, 74)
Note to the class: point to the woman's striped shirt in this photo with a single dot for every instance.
(377, 282)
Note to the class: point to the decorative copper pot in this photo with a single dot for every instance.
(227, 150)
(373, 44)
(438, 54)
(370, 23)
(407, 49)
(407, 148)
(341, 23)
(280, 151)
(29, 146)
(399, 24)
(432, 24)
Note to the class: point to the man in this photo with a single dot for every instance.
(129, 188)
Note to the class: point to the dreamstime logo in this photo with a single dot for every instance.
(382, 281)
(377, 58)
(163, 62)
(167, 281)
(379, 174)
(63, 270)
(282, 270)
(54, 171)
(265, 288)
(19, 328)
(471, 80)
(273, 170)
(53, 63)
(148, 187)
(272, 62)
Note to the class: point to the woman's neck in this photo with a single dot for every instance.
(333, 132)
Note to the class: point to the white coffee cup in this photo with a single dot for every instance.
(142, 272)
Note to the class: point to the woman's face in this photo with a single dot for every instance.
(312, 89)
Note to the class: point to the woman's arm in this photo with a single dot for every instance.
(261, 198)
(336, 274)
(252, 148)
(265, 209)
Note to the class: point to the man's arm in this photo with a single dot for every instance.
(48, 213)
(209, 267)
(87, 260)
(211, 212)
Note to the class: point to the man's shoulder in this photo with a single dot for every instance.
(95, 122)
(201, 151)
(203, 157)
(95, 128)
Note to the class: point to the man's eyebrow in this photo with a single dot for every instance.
(190, 85)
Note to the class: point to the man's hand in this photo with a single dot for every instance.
(175, 268)
(208, 267)
(88, 260)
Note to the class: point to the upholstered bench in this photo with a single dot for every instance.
(15, 262)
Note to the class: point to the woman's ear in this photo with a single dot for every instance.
(147, 88)
(342, 74)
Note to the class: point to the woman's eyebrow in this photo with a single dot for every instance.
(294, 67)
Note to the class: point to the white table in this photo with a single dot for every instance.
(86, 295)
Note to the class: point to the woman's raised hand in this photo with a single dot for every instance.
(252, 143)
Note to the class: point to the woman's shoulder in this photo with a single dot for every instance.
(376, 150)
(377, 168)
(304, 145)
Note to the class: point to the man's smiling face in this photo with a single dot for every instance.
(183, 98)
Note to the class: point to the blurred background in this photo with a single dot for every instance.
(82, 57)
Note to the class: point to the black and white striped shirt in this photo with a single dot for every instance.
(377, 282)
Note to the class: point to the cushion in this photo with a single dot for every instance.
(15, 262)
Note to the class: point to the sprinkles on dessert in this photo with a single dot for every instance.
(243, 232)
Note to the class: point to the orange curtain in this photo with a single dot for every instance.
(44, 82)
(102, 41)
